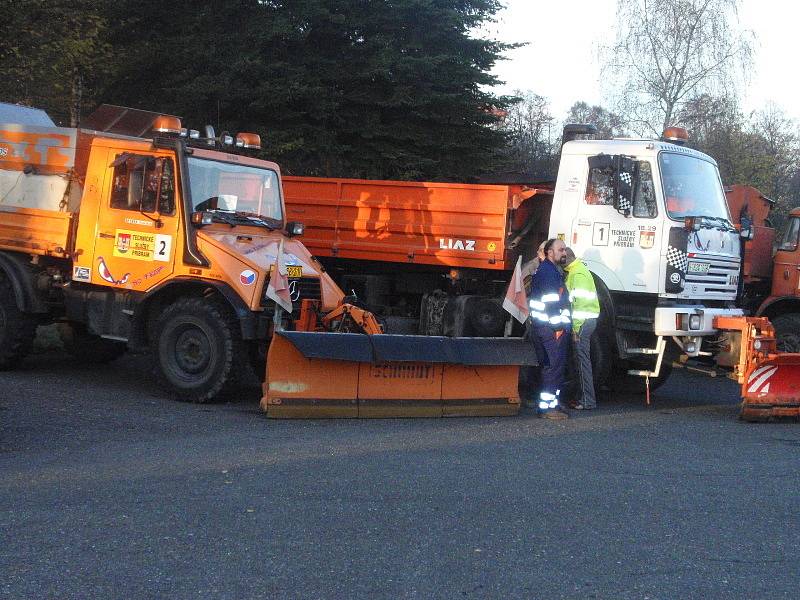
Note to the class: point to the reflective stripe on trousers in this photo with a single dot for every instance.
(553, 372)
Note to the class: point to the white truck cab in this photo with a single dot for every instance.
(650, 220)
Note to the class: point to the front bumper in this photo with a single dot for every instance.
(667, 319)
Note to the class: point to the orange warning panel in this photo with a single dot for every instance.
(308, 388)
(772, 389)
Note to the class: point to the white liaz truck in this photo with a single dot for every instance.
(650, 220)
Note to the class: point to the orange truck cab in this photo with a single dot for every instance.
(133, 232)
(771, 270)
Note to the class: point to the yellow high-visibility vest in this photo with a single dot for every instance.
(582, 294)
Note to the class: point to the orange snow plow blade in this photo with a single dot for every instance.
(770, 380)
(325, 375)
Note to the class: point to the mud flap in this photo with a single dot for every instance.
(323, 375)
(772, 389)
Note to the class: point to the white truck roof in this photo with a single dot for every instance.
(628, 146)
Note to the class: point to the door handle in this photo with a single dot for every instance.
(109, 236)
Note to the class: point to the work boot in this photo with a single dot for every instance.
(553, 414)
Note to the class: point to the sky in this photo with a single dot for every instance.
(561, 60)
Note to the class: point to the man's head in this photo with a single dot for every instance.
(569, 256)
(554, 250)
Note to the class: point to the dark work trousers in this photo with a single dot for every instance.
(553, 369)
(583, 358)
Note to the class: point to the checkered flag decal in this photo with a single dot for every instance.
(624, 203)
(677, 259)
(626, 177)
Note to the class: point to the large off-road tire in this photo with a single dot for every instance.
(198, 349)
(787, 332)
(17, 329)
(87, 347)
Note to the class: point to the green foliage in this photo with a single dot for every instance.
(52, 53)
(335, 87)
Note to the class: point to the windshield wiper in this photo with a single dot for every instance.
(255, 218)
(225, 217)
(726, 224)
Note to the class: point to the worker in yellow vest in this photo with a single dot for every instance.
(585, 312)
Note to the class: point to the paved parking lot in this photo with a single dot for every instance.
(111, 491)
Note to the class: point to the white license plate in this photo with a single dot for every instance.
(695, 267)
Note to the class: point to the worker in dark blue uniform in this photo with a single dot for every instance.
(551, 324)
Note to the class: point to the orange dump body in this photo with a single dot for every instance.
(41, 179)
(444, 224)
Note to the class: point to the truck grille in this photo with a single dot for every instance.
(721, 281)
(306, 288)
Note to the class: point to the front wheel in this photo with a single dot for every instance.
(17, 329)
(198, 349)
(787, 332)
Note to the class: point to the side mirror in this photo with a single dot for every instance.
(202, 218)
(294, 228)
(748, 233)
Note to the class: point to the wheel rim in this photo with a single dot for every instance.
(192, 350)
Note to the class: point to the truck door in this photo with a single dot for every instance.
(616, 228)
(137, 222)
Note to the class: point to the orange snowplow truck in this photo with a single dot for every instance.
(136, 233)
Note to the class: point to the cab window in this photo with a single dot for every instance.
(143, 184)
(600, 187)
(789, 238)
(644, 196)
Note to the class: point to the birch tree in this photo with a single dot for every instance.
(669, 51)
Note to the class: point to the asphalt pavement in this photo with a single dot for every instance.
(109, 490)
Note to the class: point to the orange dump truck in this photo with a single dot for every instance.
(401, 246)
(134, 235)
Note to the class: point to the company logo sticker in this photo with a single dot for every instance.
(247, 277)
(491, 246)
(81, 274)
(647, 239)
(675, 278)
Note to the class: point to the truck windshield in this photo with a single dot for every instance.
(245, 189)
(691, 187)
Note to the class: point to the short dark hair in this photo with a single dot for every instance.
(549, 244)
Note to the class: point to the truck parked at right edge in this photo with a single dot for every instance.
(771, 269)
